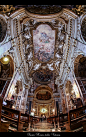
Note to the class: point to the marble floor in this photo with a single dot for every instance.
(44, 127)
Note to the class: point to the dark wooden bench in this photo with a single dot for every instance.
(26, 119)
(53, 120)
(63, 118)
(50, 119)
(76, 120)
(13, 116)
(35, 120)
(3, 125)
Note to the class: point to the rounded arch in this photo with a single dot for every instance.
(7, 62)
(43, 87)
(6, 73)
(79, 66)
(76, 63)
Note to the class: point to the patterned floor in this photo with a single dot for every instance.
(44, 127)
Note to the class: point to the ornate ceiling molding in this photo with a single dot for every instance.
(28, 21)
(28, 48)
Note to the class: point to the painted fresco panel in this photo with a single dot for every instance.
(44, 41)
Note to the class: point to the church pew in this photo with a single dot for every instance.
(53, 120)
(62, 119)
(3, 125)
(34, 120)
(50, 119)
(7, 114)
(26, 119)
(76, 119)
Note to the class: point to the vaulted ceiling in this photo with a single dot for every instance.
(44, 9)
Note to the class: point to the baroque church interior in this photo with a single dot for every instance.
(42, 68)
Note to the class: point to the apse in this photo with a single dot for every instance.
(43, 95)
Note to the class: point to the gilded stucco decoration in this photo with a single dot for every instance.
(43, 46)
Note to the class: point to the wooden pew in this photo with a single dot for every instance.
(76, 120)
(26, 119)
(63, 118)
(53, 120)
(50, 119)
(7, 114)
(34, 120)
(3, 125)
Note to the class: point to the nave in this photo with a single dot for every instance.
(43, 126)
(43, 68)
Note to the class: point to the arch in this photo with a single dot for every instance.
(43, 87)
(6, 73)
(76, 64)
(5, 60)
(45, 102)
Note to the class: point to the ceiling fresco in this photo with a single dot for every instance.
(43, 77)
(44, 41)
(44, 9)
(43, 95)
